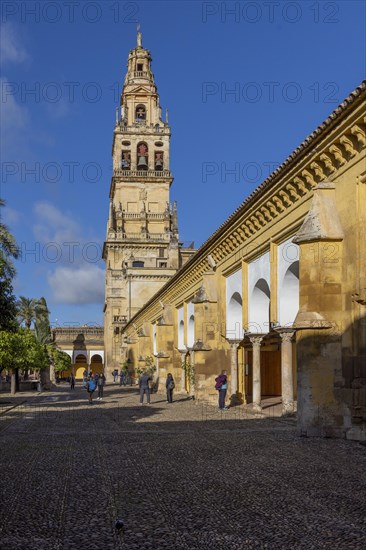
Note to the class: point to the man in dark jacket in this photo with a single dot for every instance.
(145, 387)
(221, 386)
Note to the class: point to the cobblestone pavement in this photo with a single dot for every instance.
(181, 476)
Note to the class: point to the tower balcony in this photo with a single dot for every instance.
(141, 128)
(154, 237)
(143, 174)
(120, 320)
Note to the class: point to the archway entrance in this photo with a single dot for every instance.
(96, 364)
(80, 366)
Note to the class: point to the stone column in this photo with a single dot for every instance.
(233, 371)
(287, 382)
(256, 342)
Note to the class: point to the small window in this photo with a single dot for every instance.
(161, 252)
(140, 66)
(138, 264)
(162, 264)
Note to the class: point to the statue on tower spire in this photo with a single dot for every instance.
(139, 36)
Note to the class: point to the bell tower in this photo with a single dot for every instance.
(141, 250)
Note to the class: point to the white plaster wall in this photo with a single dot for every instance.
(154, 339)
(258, 301)
(288, 282)
(234, 307)
(181, 328)
(190, 321)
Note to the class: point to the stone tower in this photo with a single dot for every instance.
(141, 250)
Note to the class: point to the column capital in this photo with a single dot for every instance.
(233, 341)
(256, 339)
(286, 333)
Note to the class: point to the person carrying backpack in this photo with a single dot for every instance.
(170, 385)
(221, 387)
(90, 388)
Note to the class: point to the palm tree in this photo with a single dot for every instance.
(27, 310)
(8, 248)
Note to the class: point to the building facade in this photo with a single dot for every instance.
(85, 347)
(277, 295)
(142, 250)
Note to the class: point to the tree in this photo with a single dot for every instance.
(26, 310)
(42, 326)
(8, 248)
(60, 359)
(8, 309)
(20, 350)
(31, 309)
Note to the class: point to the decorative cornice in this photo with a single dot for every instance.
(250, 218)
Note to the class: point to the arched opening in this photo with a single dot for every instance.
(190, 331)
(154, 339)
(289, 295)
(138, 263)
(142, 156)
(140, 113)
(126, 160)
(234, 316)
(159, 160)
(259, 303)
(96, 364)
(181, 335)
(80, 365)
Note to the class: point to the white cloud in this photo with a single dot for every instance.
(84, 285)
(12, 50)
(14, 123)
(55, 226)
(11, 216)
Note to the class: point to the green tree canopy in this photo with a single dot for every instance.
(60, 359)
(8, 248)
(8, 309)
(42, 326)
(20, 350)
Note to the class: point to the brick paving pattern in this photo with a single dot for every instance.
(181, 476)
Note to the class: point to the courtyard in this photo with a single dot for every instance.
(180, 476)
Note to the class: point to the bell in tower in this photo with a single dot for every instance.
(158, 161)
(142, 156)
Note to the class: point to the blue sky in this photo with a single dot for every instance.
(245, 83)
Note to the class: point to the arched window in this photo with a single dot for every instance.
(142, 156)
(289, 295)
(234, 317)
(138, 263)
(190, 332)
(140, 113)
(259, 302)
(126, 160)
(159, 160)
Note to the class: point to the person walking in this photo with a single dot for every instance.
(145, 387)
(72, 381)
(115, 375)
(90, 388)
(120, 377)
(170, 385)
(101, 383)
(221, 386)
